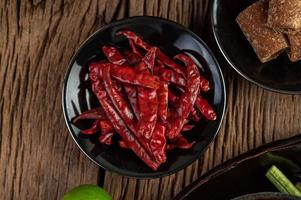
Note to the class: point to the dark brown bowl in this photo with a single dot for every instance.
(246, 174)
(267, 196)
(172, 38)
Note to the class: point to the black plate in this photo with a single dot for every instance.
(171, 38)
(280, 75)
(246, 174)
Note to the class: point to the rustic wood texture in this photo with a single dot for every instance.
(38, 158)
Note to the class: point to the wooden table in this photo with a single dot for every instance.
(38, 158)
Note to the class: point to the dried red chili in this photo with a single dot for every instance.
(128, 75)
(120, 126)
(140, 90)
(93, 129)
(194, 115)
(113, 55)
(187, 98)
(149, 59)
(188, 127)
(131, 92)
(134, 49)
(126, 135)
(106, 126)
(204, 107)
(162, 94)
(123, 145)
(169, 75)
(158, 143)
(95, 113)
(106, 138)
(120, 104)
(158, 140)
(147, 99)
(164, 58)
(132, 58)
(182, 142)
(204, 84)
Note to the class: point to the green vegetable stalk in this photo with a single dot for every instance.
(298, 186)
(281, 182)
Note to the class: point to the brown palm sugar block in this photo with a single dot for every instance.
(266, 42)
(294, 52)
(285, 15)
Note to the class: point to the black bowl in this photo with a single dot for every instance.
(172, 39)
(280, 75)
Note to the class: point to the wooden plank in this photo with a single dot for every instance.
(38, 158)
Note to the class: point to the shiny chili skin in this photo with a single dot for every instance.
(162, 94)
(94, 128)
(95, 113)
(168, 75)
(126, 74)
(132, 58)
(124, 109)
(113, 55)
(188, 127)
(95, 71)
(204, 84)
(130, 90)
(147, 99)
(149, 59)
(129, 75)
(200, 105)
(147, 63)
(164, 58)
(182, 143)
(205, 109)
(134, 49)
(123, 145)
(106, 126)
(120, 126)
(158, 143)
(126, 135)
(172, 98)
(194, 115)
(187, 99)
(158, 140)
(121, 105)
(132, 95)
(106, 138)
(135, 39)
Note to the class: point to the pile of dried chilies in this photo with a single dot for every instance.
(147, 98)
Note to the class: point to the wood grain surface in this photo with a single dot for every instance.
(38, 158)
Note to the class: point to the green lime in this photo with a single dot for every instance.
(87, 192)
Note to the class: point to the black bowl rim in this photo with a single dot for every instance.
(125, 172)
(225, 55)
(262, 195)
